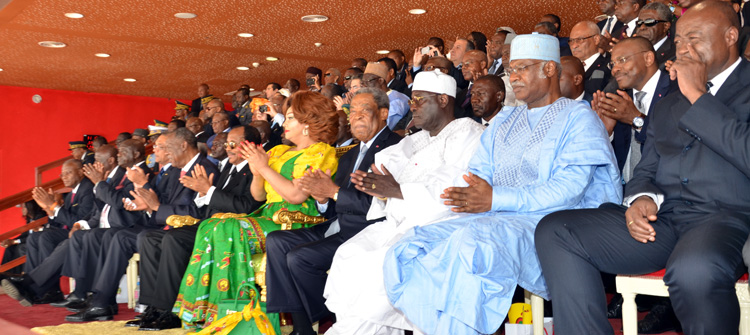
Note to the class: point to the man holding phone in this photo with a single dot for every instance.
(312, 78)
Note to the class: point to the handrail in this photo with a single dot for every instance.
(16, 262)
(46, 167)
(25, 195)
(19, 230)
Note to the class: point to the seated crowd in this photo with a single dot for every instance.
(444, 184)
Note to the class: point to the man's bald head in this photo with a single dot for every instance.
(571, 78)
(264, 128)
(711, 28)
(584, 39)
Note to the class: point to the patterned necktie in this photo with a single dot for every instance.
(494, 66)
(608, 25)
(468, 97)
(158, 177)
(639, 101)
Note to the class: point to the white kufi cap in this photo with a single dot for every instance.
(535, 46)
(435, 82)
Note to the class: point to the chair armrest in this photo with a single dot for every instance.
(286, 218)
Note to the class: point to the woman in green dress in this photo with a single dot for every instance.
(222, 254)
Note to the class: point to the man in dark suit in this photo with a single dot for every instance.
(495, 51)
(268, 138)
(197, 105)
(610, 23)
(584, 41)
(298, 259)
(79, 151)
(654, 22)
(625, 111)
(77, 205)
(120, 245)
(688, 199)
(474, 66)
(165, 254)
(627, 13)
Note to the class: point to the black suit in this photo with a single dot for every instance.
(617, 25)
(87, 158)
(119, 246)
(40, 245)
(298, 260)
(623, 131)
(499, 70)
(665, 52)
(597, 76)
(165, 254)
(696, 156)
(462, 104)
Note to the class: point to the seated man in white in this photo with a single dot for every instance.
(407, 181)
(458, 276)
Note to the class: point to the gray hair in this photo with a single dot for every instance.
(661, 10)
(184, 135)
(381, 99)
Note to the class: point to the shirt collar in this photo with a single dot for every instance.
(650, 86)
(720, 78)
(225, 161)
(75, 189)
(187, 166)
(580, 97)
(369, 143)
(113, 172)
(658, 45)
(167, 166)
(631, 26)
(239, 166)
(590, 61)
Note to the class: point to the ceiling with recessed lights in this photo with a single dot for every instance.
(169, 56)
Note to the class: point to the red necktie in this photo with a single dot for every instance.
(182, 173)
(72, 197)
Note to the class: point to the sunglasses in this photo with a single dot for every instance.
(649, 22)
(230, 145)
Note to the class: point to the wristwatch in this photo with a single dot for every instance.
(336, 196)
(638, 122)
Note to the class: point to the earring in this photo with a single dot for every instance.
(306, 131)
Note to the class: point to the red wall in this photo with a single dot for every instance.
(35, 134)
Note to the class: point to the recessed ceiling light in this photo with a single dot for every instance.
(102, 55)
(185, 15)
(74, 15)
(271, 59)
(243, 68)
(417, 11)
(1, 70)
(256, 64)
(130, 80)
(382, 52)
(252, 89)
(52, 44)
(245, 35)
(318, 44)
(314, 18)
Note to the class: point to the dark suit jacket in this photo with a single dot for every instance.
(617, 27)
(79, 209)
(179, 200)
(236, 196)
(196, 107)
(623, 131)
(696, 155)
(460, 109)
(500, 68)
(665, 52)
(88, 157)
(598, 75)
(352, 205)
(111, 194)
(399, 85)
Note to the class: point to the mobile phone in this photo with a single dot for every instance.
(263, 108)
(310, 82)
(425, 50)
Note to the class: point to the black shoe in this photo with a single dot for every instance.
(660, 319)
(166, 320)
(92, 314)
(614, 309)
(50, 297)
(148, 316)
(70, 300)
(17, 292)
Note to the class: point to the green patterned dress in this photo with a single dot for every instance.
(223, 250)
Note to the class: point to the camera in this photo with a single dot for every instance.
(426, 51)
(263, 108)
(310, 82)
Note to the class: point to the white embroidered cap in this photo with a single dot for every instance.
(535, 46)
(435, 82)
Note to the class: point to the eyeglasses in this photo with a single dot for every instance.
(519, 70)
(328, 74)
(433, 67)
(348, 77)
(579, 40)
(419, 100)
(230, 145)
(649, 22)
(622, 60)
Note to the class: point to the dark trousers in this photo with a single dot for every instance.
(12, 252)
(46, 276)
(118, 245)
(164, 257)
(702, 254)
(297, 268)
(41, 244)
(83, 257)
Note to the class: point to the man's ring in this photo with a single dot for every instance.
(373, 186)
(629, 223)
(615, 110)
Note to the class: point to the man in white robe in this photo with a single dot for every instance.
(407, 181)
(458, 276)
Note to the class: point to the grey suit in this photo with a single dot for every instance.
(697, 157)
